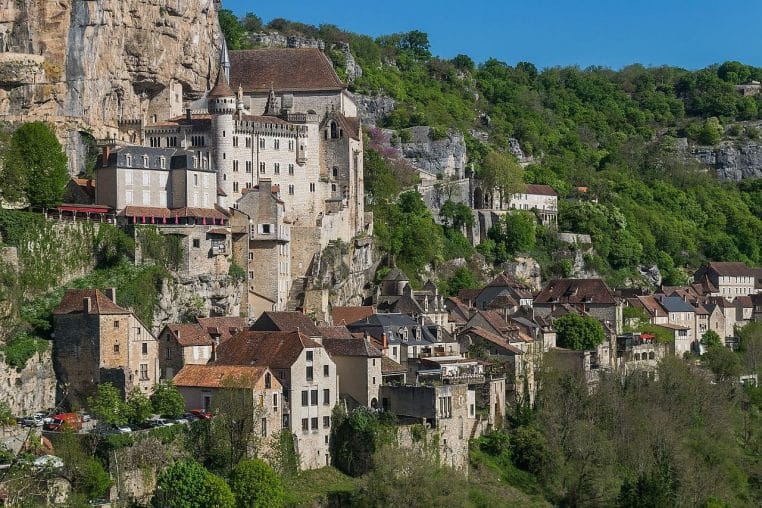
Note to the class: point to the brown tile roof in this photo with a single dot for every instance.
(219, 376)
(73, 303)
(265, 119)
(264, 349)
(225, 326)
(468, 295)
(221, 87)
(335, 332)
(350, 347)
(744, 301)
(651, 305)
(283, 69)
(459, 311)
(348, 315)
(576, 291)
(158, 212)
(502, 301)
(286, 322)
(491, 337)
(541, 190)
(190, 335)
(350, 125)
(732, 269)
(389, 366)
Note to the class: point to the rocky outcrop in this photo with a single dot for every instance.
(524, 269)
(731, 161)
(88, 66)
(279, 40)
(30, 389)
(184, 298)
(445, 156)
(373, 108)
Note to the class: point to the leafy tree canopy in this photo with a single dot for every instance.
(256, 485)
(574, 331)
(167, 401)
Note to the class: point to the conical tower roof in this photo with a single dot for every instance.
(221, 88)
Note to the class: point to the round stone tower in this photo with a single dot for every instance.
(221, 103)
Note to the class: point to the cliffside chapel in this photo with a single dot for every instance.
(291, 125)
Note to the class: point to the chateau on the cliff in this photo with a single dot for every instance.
(290, 131)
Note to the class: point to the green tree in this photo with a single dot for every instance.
(463, 278)
(256, 485)
(750, 337)
(138, 407)
(529, 451)
(456, 215)
(724, 363)
(710, 339)
(36, 161)
(501, 171)
(251, 22)
(85, 473)
(579, 332)
(231, 28)
(167, 401)
(107, 405)
(711, 132)
(187, 484)
(520, 232)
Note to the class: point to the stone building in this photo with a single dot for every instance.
(731, 279)
(262, 244)
(97, 341)
(358, 365)
(591, 296)
(291, 121)
(253, 391)
(309, 379)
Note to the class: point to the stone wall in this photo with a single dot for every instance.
(30, 389)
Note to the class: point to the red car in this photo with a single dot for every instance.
(65, 421)
(202, 414)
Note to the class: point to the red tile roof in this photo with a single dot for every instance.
(283, 69)
(542, 190)
(225, 326)
(264, 349)
(348, 315)
(491, 337)
(221, 87)
(575, 291)
(190, 335)
(731, 269)
(220, 376)
(73, 303)
(286, 322)
(158, 212)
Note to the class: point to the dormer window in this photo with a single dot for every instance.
(129, 160)
(145, 161)
(162, 162)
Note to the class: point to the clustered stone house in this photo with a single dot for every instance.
(97, 341)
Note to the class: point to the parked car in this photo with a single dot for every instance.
(65, 421)
(124, 429)
(29, 421)
(202, 414)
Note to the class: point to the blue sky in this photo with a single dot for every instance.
(614, 33)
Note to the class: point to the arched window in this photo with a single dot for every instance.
(334, 131)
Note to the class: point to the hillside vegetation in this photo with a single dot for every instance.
(613, 132)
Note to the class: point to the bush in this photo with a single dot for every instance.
(495, 443)
(579, 332)
(529, 450)
(237, 272)
(167, 401)
(188, 485)
(21, 348)
(256, 485)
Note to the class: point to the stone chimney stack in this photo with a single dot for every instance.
(87, 305)
(111, 294)
(105, 153)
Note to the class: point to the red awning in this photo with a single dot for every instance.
(84, 208)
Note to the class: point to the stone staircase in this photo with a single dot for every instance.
(296, 294)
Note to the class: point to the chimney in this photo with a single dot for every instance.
(87, 305)
(188, 113)
(111, 294)
(385, 342)
(105, 153)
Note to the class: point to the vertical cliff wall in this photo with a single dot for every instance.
(92, 66)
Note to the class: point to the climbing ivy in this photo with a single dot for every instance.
(166, 250)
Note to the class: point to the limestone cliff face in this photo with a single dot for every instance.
(732, 161)
(93, 65)
(30, 389)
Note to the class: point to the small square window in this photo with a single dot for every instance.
(116, 348)
(116, 324)
(196, 243)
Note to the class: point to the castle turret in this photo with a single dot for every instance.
(221, 103)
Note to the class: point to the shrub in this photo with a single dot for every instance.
(256, 485)
(21, 348)
(167, 401)
(579, 332)
(237, 272)
(188, 485)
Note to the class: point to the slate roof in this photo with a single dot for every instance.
(264, 349)
(286, 322)
(468, 295)
(396, 274)
(346, 315)
(73, 303)
(218, 376)
(389, 324)
(283, 69)
(676, 304)
(190, 335)
(576, 291)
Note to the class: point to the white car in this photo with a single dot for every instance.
(124, 429)
(48, 461)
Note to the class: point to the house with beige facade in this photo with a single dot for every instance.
(96, 341)
(309, 379)
(247, 390)
(731, 279)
